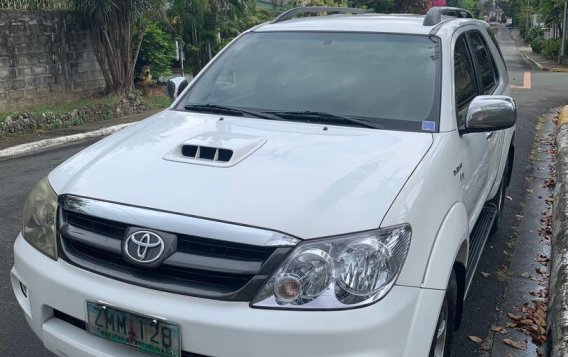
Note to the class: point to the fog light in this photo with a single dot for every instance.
(24, 289)
(287, 289)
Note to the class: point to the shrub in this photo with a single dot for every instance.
(551, 48)
(537, 44)
(157, 51)
(532, 34)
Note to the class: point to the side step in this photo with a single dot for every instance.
(477, 240)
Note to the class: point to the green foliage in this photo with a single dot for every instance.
(470, 5)
(340, 3)
(77, 122)
(157, 51)
(394, 6)
(537, 44)
(56, 124)
(31, 127)
(551, 48)
(154, 102)
(532, 34)
(552, 11)
(107, 113)
(206, 25)
(112, 24)
(36, 5)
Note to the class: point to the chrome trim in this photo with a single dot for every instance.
(489, 113)
(177, 223)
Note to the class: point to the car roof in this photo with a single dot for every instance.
(396, 23)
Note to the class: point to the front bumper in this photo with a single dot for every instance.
(401, 324)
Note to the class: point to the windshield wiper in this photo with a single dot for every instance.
(228, 110)
(326, 118)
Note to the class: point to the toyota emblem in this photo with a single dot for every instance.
(144, 247)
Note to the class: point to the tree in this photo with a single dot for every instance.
(157, 51)
(112, 25)
(552, 12)
(470, 5)
(395, 6)
(207, 25)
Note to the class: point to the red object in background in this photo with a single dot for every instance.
(438, 2)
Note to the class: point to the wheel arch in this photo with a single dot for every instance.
(451, 245)
(450, 253)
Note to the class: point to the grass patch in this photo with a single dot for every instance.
(108, 101)
(153, 102)
(156, 101)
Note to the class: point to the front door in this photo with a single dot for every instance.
(488, 79)
(475, 150)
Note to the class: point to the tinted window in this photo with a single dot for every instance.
(484, 62)
(494, 39)
(465, 85)
(390, 79)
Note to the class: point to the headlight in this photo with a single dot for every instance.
(338, 273)
(40, 212)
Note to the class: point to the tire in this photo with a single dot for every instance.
(444, 332)
(499, 199)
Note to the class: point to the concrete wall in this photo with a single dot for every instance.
(45, 58)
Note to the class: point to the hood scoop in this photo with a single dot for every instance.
(216, 149)
(206, 153)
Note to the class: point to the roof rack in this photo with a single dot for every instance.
(434, 15)
(290, 14)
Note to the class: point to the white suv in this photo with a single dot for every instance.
(324, 187)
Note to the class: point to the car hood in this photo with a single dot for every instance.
(307, 180)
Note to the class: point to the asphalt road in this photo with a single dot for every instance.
(17, 176)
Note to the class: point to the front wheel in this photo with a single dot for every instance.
(444, 332)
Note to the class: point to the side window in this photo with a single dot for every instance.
(485, 66)
(464, 77)
(494, 39)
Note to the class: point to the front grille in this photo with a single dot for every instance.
(200, 266)
(188, 244)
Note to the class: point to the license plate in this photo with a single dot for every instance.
(148, 334)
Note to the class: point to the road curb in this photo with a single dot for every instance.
(541, 66)
(47, 143)
(563, 117)
(558, 289)
(536, 63)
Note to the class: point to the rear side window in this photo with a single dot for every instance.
(485, 66)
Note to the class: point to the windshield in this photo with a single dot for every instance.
(388, 79)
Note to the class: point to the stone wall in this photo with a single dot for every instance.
(45, 58)
(558, 289)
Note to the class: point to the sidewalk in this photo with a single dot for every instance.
(40, 135)
(544, 64)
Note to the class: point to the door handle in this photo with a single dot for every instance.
(489, 134)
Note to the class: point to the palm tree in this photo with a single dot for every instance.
(117, 29)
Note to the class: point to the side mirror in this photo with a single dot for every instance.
(175, 86)
(490, 112)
